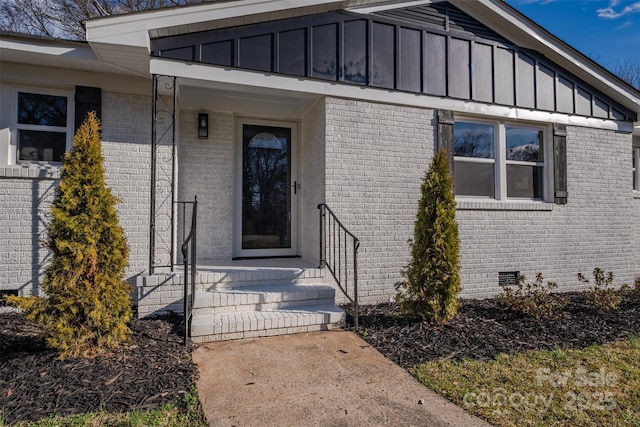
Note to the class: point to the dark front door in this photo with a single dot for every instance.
(266, 199)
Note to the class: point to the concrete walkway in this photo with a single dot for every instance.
(329, 378)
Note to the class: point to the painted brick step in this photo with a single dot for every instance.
(230, 326)
(262, 298)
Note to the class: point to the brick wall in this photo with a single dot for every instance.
(205, 169)
(592, 230)
(24, 208)
(127, 159)
(312, 177)
(25, 201)
(376, 157)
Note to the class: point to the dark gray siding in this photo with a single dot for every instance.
(435, 49)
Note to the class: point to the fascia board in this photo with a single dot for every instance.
(133, 29)
(372, 8)
(524, 32)
(204, 74)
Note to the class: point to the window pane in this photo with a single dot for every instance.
(473, 140)
(474, 179)
(43, 146)
(524, 181)
(42, 110)
(524, 145)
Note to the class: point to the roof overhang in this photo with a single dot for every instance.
(124, 40)
(51, 52)
(307, 90)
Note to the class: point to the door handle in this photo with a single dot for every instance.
(295, 187)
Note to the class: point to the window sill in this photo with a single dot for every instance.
(636, 194)
(32, 171)
(508, 205)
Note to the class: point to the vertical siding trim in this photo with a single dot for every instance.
(425, 65)
(397, 54)
(370, 52)
(309, 53)
(275, 52)
(560, 164)
(340, 52)
(472, 71)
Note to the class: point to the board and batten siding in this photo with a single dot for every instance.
(441, 53)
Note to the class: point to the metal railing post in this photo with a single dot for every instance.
(189, 259)
(356, 245)
(330, 230)
(321, 255)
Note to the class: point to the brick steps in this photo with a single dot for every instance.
(254, 324)
(260, 310)
(262, 297)
(246, 299)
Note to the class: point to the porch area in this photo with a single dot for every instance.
(255, 181)
(236, 299)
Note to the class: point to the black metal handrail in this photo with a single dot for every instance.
(335, 253)
(189, 256)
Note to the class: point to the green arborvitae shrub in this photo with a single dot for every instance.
(432, 283)
(534, 298)
(86, 304)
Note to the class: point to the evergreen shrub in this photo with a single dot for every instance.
(432, 284)
(86, 303)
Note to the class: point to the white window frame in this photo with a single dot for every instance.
(636, 156)
(500, 160)
(13, 157)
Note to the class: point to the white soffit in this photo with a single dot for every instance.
(53, 53)
(133, 29)
(233, 79)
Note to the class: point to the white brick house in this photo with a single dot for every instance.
(335, 102)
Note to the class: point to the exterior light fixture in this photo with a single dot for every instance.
(203, 125)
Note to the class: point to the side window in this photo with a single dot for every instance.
(499, 161)
(42, 126)
(525, 162)
(474, 159)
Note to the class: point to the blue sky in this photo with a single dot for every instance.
(607, 31)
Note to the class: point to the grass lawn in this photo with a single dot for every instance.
(186, 412)
(593, 386)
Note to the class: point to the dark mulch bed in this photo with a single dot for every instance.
(484, 329)
(155, 369)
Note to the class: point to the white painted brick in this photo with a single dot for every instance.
(376, 156)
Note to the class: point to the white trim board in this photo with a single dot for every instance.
(204, 75)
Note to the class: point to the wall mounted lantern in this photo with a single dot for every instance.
(203, 125)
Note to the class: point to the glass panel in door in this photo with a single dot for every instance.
(266, 187)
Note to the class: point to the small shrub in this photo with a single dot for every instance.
(601, 296)
(533, 299)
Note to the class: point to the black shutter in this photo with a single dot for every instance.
(445, 135)
(87, 99)
(560, 164)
